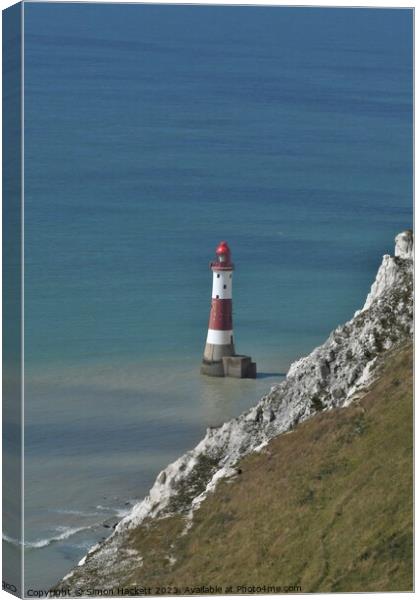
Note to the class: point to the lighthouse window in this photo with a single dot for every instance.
(217, 296)
(230, 276)
(224, 287)
(218, 275)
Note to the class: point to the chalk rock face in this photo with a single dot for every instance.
(404, 245)
(331, 376)
(393, 268)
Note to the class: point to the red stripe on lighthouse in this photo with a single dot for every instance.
(221, 314)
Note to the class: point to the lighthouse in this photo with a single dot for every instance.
(219, 358)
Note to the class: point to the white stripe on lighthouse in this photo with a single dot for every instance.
(219, 337)
(222, 285)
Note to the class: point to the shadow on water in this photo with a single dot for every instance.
(268, 375)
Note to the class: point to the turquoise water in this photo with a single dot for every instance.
(151, 133)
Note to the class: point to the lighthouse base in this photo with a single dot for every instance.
(238, 366)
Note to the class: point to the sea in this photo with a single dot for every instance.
(152, 133)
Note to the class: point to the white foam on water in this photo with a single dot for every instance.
(118, 512)
(122, 512)
(66, 532)
(77, 513)
(63, 533)
(10, 540)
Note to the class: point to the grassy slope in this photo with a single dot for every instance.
(327, 506)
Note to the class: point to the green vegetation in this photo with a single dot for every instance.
(192, 486)
(327, 507)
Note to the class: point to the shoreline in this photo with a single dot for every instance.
(332, 375)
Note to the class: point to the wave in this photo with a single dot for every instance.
(7, 538)
(123, 512)
(97, 511)
(118, 512)
(77, 513)
(62, 533)
(66, 532)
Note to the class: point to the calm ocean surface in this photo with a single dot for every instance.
(151, 133)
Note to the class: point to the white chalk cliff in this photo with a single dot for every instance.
(390, 274)
(333, 375)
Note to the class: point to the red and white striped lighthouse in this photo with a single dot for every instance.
(219, 358)
(220, 334)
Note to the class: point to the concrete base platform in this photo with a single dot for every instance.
(238, 366)
(213, 369)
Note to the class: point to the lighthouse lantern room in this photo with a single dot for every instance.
(219, 358)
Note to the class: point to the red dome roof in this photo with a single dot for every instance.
(223, 248)
(223, 262)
